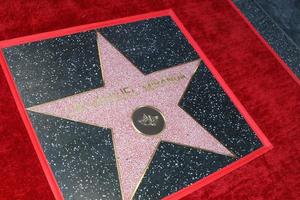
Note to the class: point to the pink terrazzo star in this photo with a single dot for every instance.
(111, 106)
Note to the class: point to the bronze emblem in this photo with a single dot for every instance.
(148, 120)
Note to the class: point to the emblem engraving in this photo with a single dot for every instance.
(148, 120)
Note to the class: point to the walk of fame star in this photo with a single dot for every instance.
(133, 150)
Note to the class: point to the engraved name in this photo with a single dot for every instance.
(129, 92)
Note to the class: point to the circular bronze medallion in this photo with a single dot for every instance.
(148, 120)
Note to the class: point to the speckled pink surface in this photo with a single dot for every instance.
(109, 107)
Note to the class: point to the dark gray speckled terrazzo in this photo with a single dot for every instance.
(174, 167)
(152, 44)
(274, 34)
(286, 13)
(207, 102)
(55, 68)
(81, 157)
